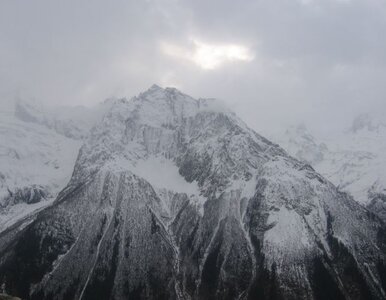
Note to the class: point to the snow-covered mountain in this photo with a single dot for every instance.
(354, 160)
(72, 122)
(176, 198)
(38, 149)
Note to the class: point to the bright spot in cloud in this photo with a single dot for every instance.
(209, 56)
(316, 2)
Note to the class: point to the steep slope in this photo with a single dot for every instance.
(176, 198)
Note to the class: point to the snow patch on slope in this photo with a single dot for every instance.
(288, 237)
(163, 173)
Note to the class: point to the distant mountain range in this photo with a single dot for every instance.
(354, 160)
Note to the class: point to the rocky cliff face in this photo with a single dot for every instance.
(377, 195)
(176, 198)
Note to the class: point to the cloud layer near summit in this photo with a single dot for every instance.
(273, 62)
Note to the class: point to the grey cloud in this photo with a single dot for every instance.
(318, 62)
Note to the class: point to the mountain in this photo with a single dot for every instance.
(370, 134)
(176, 198)
(353, 160)
(71, 122)
(35, 164)
(300, 143)
(38, 149)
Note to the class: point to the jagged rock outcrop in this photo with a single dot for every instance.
(28, 195)
(176, 198)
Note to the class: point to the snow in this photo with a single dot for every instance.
(247, 187)
(159, 106)
(31, 154)
(162, 106)
(21, 211)
(289, 236)
(213, 105)
(73, 122)
(353, 160)
(162, 132)
(163, 173)
(91, 271)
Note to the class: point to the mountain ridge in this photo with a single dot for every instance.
(245, 221)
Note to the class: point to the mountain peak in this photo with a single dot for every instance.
(159, 92)
(155, 87)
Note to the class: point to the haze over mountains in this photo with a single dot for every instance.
(164, 196)
(40, 145)
(354, 159)
(275, 191)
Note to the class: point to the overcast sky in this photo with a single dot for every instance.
(275, 62)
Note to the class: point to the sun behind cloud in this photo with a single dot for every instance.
(208, 56)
